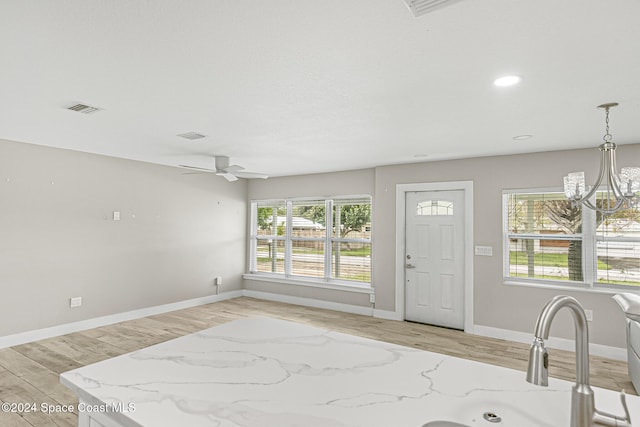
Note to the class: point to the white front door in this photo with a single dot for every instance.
(434, 257)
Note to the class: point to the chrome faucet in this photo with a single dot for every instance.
(583, 411)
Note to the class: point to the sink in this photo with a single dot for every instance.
(444, 424)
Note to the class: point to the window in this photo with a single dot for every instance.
(269, 241)
(547, 240)
(434, 207)
(618, 247)
(326, 240)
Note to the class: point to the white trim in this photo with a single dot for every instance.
(253, 240)
(309, 302)
(328, 247)
(603, 289)
(401, 190)
(609, 352)
(328, 305)
(279, 279)
(83, 325)
(387, 315)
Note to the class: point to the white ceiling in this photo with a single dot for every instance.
(299, 86)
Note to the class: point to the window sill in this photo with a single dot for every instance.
(364, 288)
(575, 287)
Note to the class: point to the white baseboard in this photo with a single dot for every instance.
(609, 352)
(328, 305)
(310, 302)
(387, 315)
(83, 325)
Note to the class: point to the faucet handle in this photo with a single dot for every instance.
(623, 400)
(604, 419)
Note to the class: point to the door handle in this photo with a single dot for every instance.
(410, 266)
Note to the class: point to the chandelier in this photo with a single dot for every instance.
(619, 191)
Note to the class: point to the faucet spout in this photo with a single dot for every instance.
(543, 325)
(583, 411)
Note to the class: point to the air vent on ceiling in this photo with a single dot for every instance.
(192, 135)
(84, 109)
(422, 7)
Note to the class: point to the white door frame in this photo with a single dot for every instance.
(401, 190)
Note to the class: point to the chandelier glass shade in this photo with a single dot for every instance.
(618, 190)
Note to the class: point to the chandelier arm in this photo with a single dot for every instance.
(618, 205)
(608, 210)
(595, 187)
(599, 209)
(613, 182)
(615, 188)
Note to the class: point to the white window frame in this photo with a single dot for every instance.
(288, 238)
(589, 250)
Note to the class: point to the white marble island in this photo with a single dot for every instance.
(267, 372)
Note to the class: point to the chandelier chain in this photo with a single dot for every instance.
(607, 136)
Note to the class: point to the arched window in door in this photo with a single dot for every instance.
(434, 207)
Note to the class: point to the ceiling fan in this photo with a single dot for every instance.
(228, 172)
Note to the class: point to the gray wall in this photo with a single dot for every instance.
(58, 239)
(495, 304)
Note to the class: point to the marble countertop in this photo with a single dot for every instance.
(268, 372)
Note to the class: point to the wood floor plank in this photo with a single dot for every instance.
(16, 390)
(10, 419)
(35, 374)
(58, 363)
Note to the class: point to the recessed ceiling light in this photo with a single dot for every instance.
(191, 135)
(507, 81)
(522, 137)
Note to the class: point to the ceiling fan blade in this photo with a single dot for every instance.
(228, 176)
(251, 175)
(233, 168)
(197, 168)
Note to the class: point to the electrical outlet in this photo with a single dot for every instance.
(589, 314)
(75, 302)
(217, 281)
(372, 298)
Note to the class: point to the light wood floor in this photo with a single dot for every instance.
(29, 372)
